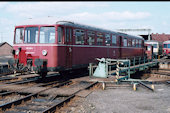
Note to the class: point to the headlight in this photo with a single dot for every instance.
(44, 52)
(17, 52)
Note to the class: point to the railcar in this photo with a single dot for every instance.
(156, 46)
(66, 45)
(166, 48)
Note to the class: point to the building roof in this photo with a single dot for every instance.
(160, 37)
(1, 44)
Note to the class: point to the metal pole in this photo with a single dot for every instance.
(117, 70)
(90, 70)
(129, 70)
(149, 38)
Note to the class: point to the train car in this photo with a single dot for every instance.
(166, 48)
(157, 47)
(66, 45)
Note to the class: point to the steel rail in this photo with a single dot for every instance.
(161, 73)
(145, 85)
(53, 108)
(19, 101)
(39, 85)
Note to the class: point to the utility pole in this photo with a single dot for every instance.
(125, 30)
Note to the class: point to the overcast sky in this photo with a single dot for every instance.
(110, 15)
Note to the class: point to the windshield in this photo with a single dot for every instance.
(19, 33)
(168, 45)
(47, 35)
(154, 45)
(165, 45)
(31, 35)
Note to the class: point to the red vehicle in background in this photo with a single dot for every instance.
(166, 48)
(68, 45)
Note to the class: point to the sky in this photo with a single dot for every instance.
(111, 15)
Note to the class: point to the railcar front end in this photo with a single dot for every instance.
(34, 48)
(166, 48)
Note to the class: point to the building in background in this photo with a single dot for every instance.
(157, 37)
(5, 49)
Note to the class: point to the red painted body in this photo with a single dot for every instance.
(166, 48)
(69, 54)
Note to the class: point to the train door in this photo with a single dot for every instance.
(69, 48)
(120, 46)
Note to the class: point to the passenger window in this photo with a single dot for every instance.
(79, 36)
(100, 38)
(125, 42)
(60, 34)
(165, 45)
(31, 35)
(168, 45)
(47, 35)
(148, 47)
(129, 42)
(140, 43)
(155, 46)
(133, 42)
(91, 38)
(114, 39)
(19, 34)
(137, 44)
(107, 39)
(68, 35)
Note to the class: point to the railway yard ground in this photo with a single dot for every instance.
(79, 93)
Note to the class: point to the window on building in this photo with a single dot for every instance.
(114, 39)
(79, 36)
(19, 34)
(107, 39)
(100, 38)
(60, 34)
(47, 35)
(125, 42)
(91, 38)
(31, 35)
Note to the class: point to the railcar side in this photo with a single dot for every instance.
(66, 45)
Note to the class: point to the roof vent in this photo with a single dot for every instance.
(64, 22)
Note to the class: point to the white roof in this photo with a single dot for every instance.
(168, 41)
(71, 23)
(62, 21)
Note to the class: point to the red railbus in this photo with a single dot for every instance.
(67, 45)
(166, 48)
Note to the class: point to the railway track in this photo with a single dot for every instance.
(46, 100)
(37, 95)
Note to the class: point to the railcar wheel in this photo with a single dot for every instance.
(43, 74)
